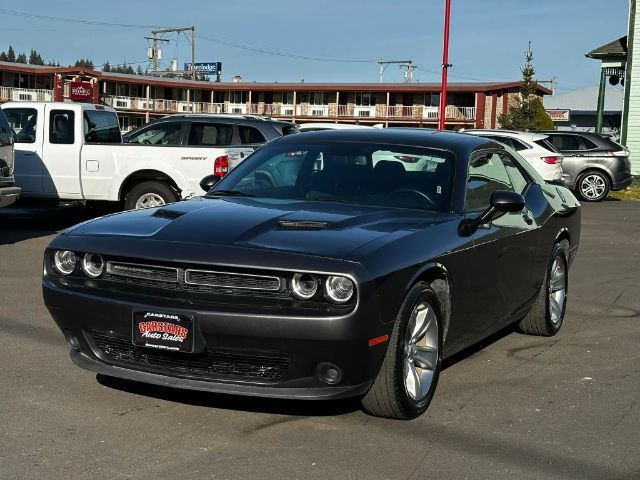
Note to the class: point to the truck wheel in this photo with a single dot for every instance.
(149, 194)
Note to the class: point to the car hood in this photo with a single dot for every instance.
(316, 228)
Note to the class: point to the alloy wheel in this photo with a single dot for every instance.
(149, 200)
(593, 186)
(420, 354)
(557, 290)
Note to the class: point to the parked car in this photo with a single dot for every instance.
(74, 151)
(316, 126)
(535, 148)
(9, 193)
(344, 279)
(593, 164)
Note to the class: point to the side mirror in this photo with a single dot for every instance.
(502, 201)
(208, 182)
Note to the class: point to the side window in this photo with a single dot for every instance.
(518, 145)
(166, 133)
(518, 180)
(4, 125)
(504, 140)
(250, 135)
(565, 142)
(61, 124)
(23, 122)
(101, 127)
(210, 134)
(588, 144)
(487, 173)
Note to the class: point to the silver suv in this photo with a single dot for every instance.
(9, 193)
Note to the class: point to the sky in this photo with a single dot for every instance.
(341, 39)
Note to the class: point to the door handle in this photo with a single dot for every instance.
(28, 154)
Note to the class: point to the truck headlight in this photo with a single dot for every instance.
(64, 261)
(92, 265)
(338, 289)
(303, 285)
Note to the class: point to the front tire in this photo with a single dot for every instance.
(593, 186)
(409, 374)
(547, 315)
(149, 194)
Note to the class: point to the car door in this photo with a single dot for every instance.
(6, 148)
(247, 140)
(505, 248)
(28, 138)
(61, 153)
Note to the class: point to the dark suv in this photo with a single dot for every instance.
(9, 193)
(231, 131)
(593, 164)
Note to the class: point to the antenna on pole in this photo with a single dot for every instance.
(155, 54)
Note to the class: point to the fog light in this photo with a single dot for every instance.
(328, 373)
(72, 340)
(64, 261)
(92, 265)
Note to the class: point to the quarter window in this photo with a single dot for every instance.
(23, 122)
(250, 135)
(487, 173)
(210, 134)
(169, 133)
(61, 127)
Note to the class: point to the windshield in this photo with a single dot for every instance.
(353, 173)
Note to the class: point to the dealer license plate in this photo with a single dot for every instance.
(164, 331)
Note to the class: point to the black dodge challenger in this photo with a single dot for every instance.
(327, 265)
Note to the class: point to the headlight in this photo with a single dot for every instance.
(64, 261)
(93, 265)
(303, 286)
(338, 289)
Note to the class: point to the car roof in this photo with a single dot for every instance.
(222, 116)
(531, 136)
(67, 105)
(331, 126)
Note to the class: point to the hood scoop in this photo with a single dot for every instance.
(302, 225)
(168, 214)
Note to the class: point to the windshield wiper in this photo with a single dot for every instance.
(229, 193)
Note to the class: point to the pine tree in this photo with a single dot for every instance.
(35, 58)
(139, 70)
(22, 58)
(11, 55)
(3, 57)
(526, 113)
(106, 67)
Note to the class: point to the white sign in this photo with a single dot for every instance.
(559, 115)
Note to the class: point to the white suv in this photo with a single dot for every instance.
(535, 148)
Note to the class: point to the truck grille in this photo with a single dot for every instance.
(211, 364)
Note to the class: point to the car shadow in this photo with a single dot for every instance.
(27, 219)
(306, 408)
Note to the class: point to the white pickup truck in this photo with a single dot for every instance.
(74, 152)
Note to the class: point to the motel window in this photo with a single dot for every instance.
(364, 99)
(287, 98)
(237, 97)
(431, 99)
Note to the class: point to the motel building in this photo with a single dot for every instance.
(140, 99)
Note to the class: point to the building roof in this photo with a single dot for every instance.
(586, 100)
(266, 86)
(616, 49)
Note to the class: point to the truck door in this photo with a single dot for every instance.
(61, 153)
(26, 124)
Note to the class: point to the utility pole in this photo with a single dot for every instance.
(551, 83)
(408, 64)
(445, 67)
(154, 49)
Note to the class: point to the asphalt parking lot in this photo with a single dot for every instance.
(521, 407)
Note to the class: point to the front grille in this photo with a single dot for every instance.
(232, 280)
(143, 272)
(211, 364)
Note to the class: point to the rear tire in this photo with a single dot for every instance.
(547, 315)
(593, 186)
(409, 374)
(149, 194)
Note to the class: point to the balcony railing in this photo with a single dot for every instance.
(374, 112)
(25, 94)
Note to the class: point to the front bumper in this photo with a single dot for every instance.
(303, 343)
(8, 195)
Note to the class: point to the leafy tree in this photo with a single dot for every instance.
(527, 112)
(35, 58)
(21, 58)
(11, 55)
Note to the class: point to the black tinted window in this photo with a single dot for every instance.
(61, 124)
(23, 122)
(101, 127)
(210, 134)
(4, 125)
(546, 144)
(166, 133)
(588, 144)
(250, 134)
(565, 142)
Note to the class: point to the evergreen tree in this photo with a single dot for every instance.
(35, 58)
(3, 57)
(11, 55)
(106, 67)
(526, 113)
(139, 70)
(84, 63)
(22, 58)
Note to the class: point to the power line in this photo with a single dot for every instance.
(36, 16)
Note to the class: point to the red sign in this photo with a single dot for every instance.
(80, 91)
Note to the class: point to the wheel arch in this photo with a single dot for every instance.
(146, 175)
(437, 275)
(597, 169)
